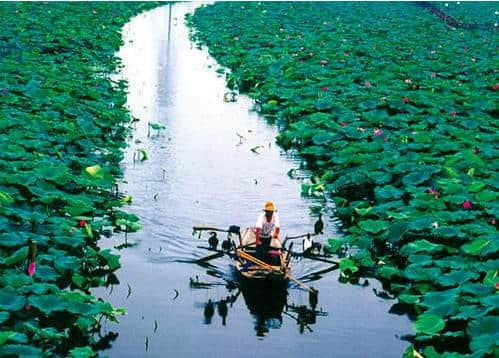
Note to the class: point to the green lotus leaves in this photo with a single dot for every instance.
(10, 300)
(428, 324)
(47, 273)
(475, 247)
(424, 246)
(416, 178)
(322, 138)
(13, 239)
(95, 171)
(6, 198)
(66, 263)
(396, 231)
(374, 226)
(81, 352)
(111, 259)
(476, 186)
(485, 334)
(348, 267)
(5, 336)
(456, 277)
(20, 350)
(18, 256)
(387, 271)
(48, 303)
(388, 192)
(4, 316)
(486, 196)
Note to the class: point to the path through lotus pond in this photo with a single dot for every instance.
(199, 171)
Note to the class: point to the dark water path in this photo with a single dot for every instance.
(199, 172)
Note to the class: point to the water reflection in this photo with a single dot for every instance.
(267, 304)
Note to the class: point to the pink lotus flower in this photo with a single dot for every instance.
(324, 62)
(367, 84)
(377, 132)
(467, 204)
(82, 223)
(475, 150)
(495, 87)
(343, 124)
(433, 75)
(324, 88)
(405, 99)
(453, 113)
(432, 191)
(31, 269)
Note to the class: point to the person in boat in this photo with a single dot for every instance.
(267, 234)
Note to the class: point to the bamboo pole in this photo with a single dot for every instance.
(208, 228)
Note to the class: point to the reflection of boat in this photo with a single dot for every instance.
(252, 269)
(266, 302)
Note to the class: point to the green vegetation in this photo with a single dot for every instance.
(397, 115)
(63, 129)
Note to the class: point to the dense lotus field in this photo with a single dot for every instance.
(397, 114)
(62, 132)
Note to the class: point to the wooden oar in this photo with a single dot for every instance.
(268, 267)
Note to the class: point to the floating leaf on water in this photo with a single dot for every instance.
(348, 267)
(5, 335)
(157, 126)
(475, 247)
(94, 171)
(10, 300)
(20, 350)
(428, 324)
(6, 198)
(18, 256)
(4, 316)
(82, 352)
(421, 246)
(374, 226)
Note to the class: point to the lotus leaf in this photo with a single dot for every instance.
(20, 350)
(429, 324)
(421, 246)
(475, 247)
(374, 226)
(348, 267)
(10, 300)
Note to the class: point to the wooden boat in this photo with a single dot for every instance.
(252, 269)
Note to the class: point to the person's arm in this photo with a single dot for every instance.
(257, 236)
(277, 226)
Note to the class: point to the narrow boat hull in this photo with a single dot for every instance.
(253, 273)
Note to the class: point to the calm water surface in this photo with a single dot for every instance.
(200, 172)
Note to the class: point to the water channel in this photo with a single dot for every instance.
(200, 172)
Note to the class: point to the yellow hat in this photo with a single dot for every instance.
(269, 206)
